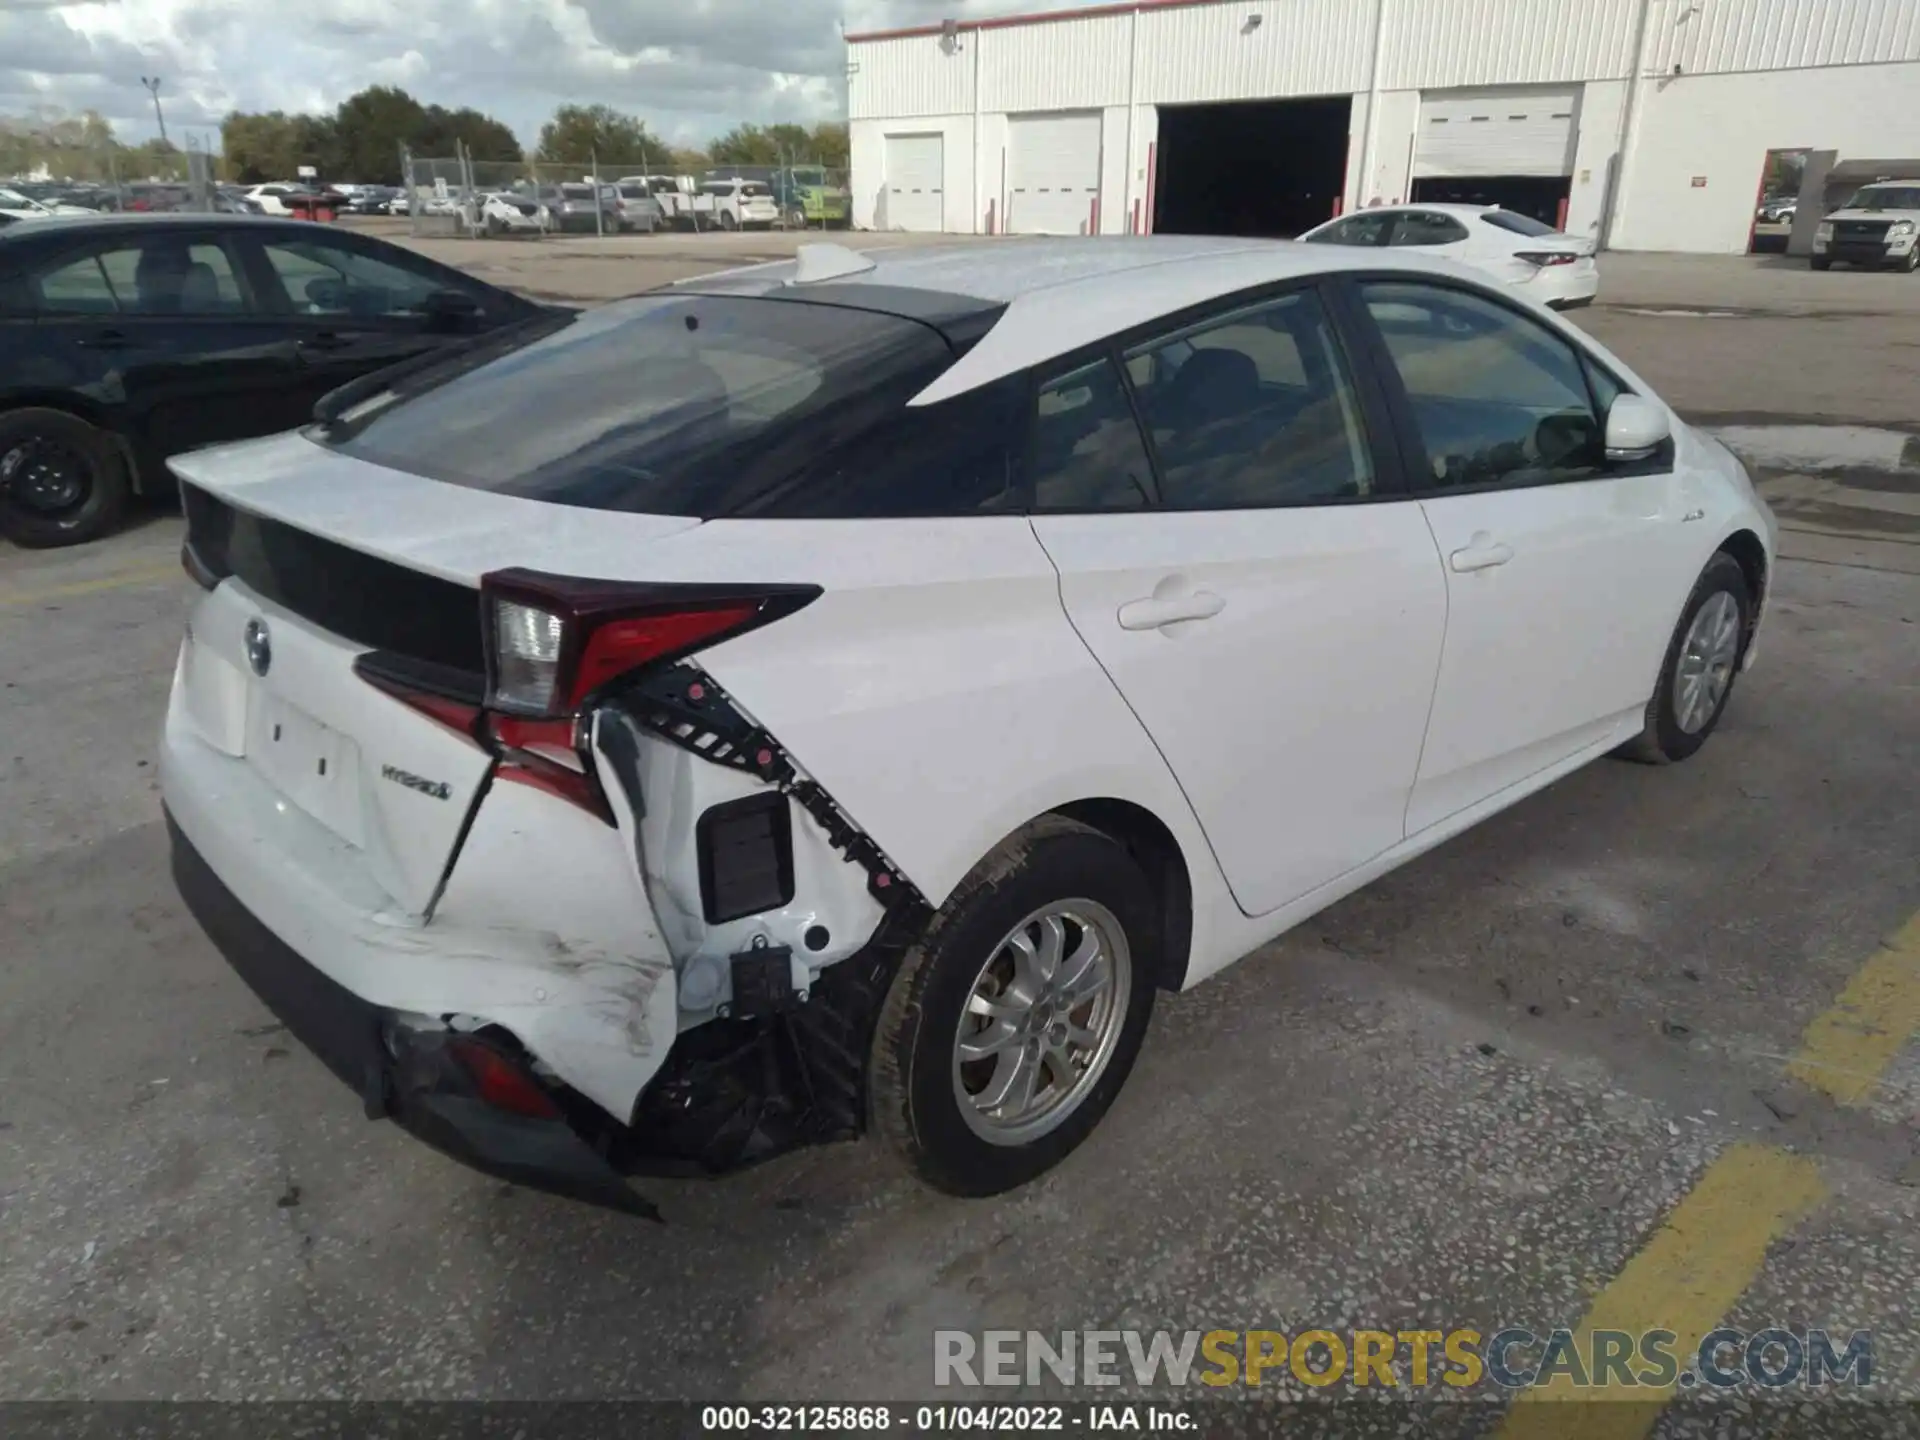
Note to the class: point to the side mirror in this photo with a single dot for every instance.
(1636, 429)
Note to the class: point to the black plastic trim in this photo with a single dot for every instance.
(706, 837)
(346, 592)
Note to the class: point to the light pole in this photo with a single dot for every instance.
(153, 88)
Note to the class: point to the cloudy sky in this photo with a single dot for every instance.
(692, 67)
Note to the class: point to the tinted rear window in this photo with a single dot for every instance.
(1517, 223)
(674, 405)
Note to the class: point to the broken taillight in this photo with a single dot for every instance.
(554, 642)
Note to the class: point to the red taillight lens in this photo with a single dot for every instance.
(616, 646)
(501, 1082)
(553, 642)
(1544, 258)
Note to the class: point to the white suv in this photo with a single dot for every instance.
(1879, 226)
(742, 204)
(840, 694)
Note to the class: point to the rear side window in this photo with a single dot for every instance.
(163, 275)
(670, 404)
(1518, 224)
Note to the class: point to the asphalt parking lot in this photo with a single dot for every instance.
(1498, 1087)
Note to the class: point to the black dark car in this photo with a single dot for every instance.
(127, 339)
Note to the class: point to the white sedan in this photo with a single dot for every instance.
(1538, 260)
(841, 694)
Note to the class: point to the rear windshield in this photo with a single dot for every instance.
(1517, 223)
(670, 404)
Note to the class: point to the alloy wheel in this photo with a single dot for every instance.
(1704, 668)
(1041, 1022)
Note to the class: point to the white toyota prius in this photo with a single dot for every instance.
(838, 696)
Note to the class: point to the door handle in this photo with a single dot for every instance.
(324, 341)
(104, 340)
(1156, 611)
(1483, 552)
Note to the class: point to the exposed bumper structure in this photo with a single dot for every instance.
(411, 1076)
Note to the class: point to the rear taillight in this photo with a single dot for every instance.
(501, 1082)
(1544, 258)
(553, 643)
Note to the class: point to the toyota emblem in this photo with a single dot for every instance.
(259, 647)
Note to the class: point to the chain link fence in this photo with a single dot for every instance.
(535, 199)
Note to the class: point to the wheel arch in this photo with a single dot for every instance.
(1152, 845)
(80, 408)
(1747, 551)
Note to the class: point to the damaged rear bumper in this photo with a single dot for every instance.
(416, 1077)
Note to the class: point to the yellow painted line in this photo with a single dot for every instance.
(1848, 1048)
(1688, 1275)
(120, 580)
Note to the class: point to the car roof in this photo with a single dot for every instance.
(69, 225)
(1061, 295)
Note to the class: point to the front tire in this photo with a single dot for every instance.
(1820, 262)
(1701, 664)
(1912, 261)
(62, 481)
(1013, 1022)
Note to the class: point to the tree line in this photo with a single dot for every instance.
(362, 139)
(82, 147)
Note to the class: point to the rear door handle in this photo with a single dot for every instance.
(103, 340)
(327, 340)
(1483, 552)
(1155, 611)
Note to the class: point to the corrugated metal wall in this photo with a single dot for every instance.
(1066, 66)
(910, 75)
(1720, 36)
(1437, 44)
(1207, 52)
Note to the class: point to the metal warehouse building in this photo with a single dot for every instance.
(1644, 123)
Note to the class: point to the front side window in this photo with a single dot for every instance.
(667, 404)
(1088, 453)
(1426, 227)
(1254, 408)
(325, 279)
(1497, 397)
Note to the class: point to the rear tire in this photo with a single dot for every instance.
(62, 481)
(1698, 672)
(1044, 961)
(1820, 262)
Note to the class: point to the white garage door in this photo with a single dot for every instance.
(915, 197)
(1053, 173)
(1517, 130)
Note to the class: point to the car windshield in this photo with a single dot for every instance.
(1886, 197)
(14, 200)
(1519, 224)
(754, 190)
(672, 404)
